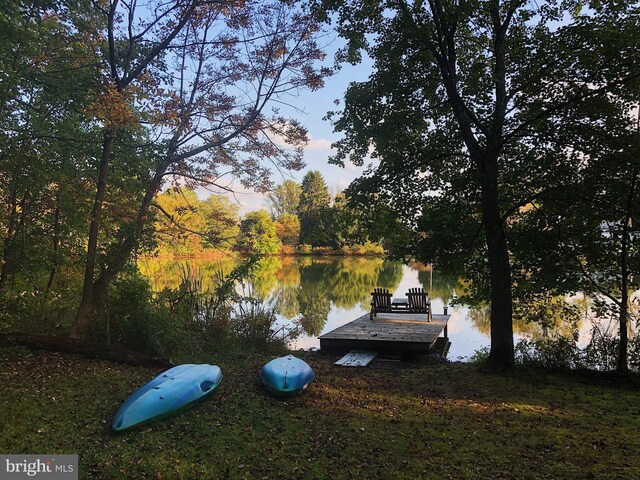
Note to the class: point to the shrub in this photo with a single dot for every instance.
(27, 310)
(304, 249)
(254, 325)
(142, 323)
(480, 356)
(367, 248)
(556, 354)
(602, 351)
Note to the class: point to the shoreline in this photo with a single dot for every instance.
(218, 255)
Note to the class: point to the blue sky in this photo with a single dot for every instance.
(310, 108)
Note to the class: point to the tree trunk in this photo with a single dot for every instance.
(70, 345)
(55, 244)
(623, 365)
(11, 228)
(87, 307)
(117, 259)
(501, 356)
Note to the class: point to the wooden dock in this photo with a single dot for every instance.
(399, 333)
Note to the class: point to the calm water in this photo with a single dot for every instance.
(329, 292)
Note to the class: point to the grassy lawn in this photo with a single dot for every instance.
(386, 421)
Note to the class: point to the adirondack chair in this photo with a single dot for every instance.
(380, 301)
(419, 302)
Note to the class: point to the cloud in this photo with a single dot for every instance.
(247, 200)
(342, 184)
(319, 144)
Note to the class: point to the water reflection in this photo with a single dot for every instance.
(310, 287)
(328, 292)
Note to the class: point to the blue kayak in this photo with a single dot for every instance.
(286, 376)
(168, 392)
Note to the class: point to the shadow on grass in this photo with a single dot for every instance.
(389, 420)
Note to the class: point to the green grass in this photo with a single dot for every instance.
(385, 421)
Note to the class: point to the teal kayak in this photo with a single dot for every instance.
(167, 393)
(286, 376)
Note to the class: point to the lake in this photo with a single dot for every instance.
(328, 292)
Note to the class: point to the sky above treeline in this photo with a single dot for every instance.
(309, 108)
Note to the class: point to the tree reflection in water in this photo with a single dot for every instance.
(307, 286)
(315, 288)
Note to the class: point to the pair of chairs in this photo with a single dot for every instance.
(417, 301)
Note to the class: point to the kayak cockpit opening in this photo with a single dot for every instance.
(206, 385)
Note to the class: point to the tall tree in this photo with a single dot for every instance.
(288, 228)
(207, 103)
(315, 201)
(284, 199)
(452, 111)
(586, 237)
(129, 51)
(45, 139)
(222, 219)
(258, 234)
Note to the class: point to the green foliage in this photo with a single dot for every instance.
(314, 195)
(101, 108)
(364, 249)
(284, 199)
(362, 217)
(480, 356)
(178, 225)
(484, 114)
(314, 210)
(186, 225)
(26, 308)
(288, 228)
(305, 249)
(46, 143)
(221, 220)
(192, 319)
(258, 234)
(563, 353)
(548, 311)
(603, 351)
(555, 354)
(255, 326)
(142, 323)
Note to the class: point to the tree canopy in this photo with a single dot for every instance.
(284, 199)
(258, 234)
(461, 111)
(315, 201)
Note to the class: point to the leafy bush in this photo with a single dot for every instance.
(220, 319)
(26, 308)
(364, 249)
(305, 249)
(564, 354)
(254, 326)
(480, 356)
(142, 323)
(555, 354)
(602, 351)
(325, 251)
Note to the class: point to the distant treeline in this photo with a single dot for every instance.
(301, 219)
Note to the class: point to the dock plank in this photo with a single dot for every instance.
(398, 332)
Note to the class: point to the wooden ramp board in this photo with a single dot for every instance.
(397, 332)
(441, 347)
(357, 358)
